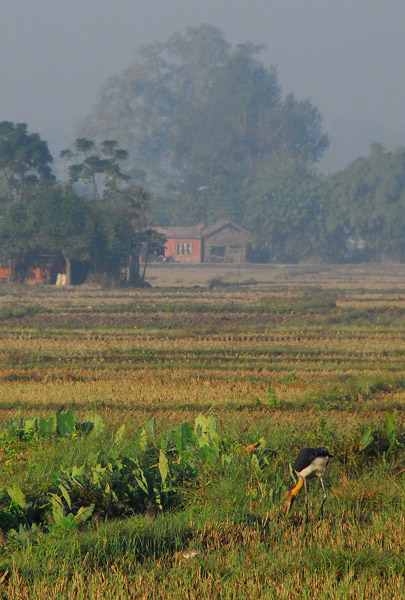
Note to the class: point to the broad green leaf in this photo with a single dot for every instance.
(57, 507)
(17, 496)
(65, 423)
(97, 421)
(142, 484)
(367, 438)
(84, 513)
(47, 427)
(205, 430)
(389, 427)
(151, 428)
(141, 480)
(143, 439)
(163, 466)
(119, 434)
(31, 424)
(182, 436)
(98, 471)
(65, 494)
(77, 471)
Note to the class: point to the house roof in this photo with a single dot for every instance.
(198, 231)
(220, 225)
(181, 232)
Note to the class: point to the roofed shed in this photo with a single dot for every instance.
(225, 241)
(183, 244)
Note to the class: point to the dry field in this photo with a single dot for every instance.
(293, 355)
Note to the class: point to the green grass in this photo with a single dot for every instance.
(291, 366)
(232, 515)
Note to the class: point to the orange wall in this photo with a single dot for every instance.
(4, 273)
(34, 275)
(194, 257)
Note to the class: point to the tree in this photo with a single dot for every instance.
(16, 234)
(122, 206)
(129, 234)
(367, 201)
(99, 166)
(24, 166)
(24, 160)
(136, 107)
(63, 222)
(196, 114)
(286, 212)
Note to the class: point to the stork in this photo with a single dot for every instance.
(310, 462)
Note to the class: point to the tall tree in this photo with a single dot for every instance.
(367, 201)
(98, 166)
(24, 159)
(286, 214)
(123, 206)
(16, 235)
(126, 223)
(63, 222)
(196, 114)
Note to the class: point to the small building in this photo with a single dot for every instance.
(223, 242)
(35, 268)
(183, 244)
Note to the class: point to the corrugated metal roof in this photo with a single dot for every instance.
(181, 232)
(219, 225)
(197, 231)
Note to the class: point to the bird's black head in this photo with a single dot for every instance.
(323, 452)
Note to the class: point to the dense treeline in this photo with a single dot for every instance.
(356, 214)
(202, 132)
(202, 121)
(367, 206)
(102, 230)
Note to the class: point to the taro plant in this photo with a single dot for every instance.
(64, 519)
(374, 441)
(62, 424)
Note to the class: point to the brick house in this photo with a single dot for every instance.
(224, 242)
(37, 268)
(183, 244)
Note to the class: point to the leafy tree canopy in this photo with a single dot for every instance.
(286, 215)
(99, 165)
(107, 228)
(196, 115)
(367, 199)
(24, 159)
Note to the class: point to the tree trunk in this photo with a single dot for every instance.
(132, 268)
(68, 263)
(145, 263)
(11, 270)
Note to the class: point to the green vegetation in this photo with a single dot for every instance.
(202, 119)
(101, 234)
(204, 134)
(110, 404)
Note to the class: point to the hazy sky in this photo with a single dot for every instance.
(346, 55)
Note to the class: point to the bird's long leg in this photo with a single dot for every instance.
(324, 496)
(306, 499)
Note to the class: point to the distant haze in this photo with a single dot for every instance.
(347, 56)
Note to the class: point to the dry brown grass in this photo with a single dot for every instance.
(288, 372)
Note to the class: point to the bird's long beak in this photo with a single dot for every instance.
(289, 501)
(291, 495)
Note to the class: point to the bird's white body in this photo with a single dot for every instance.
(315, 468)
(311, 462)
